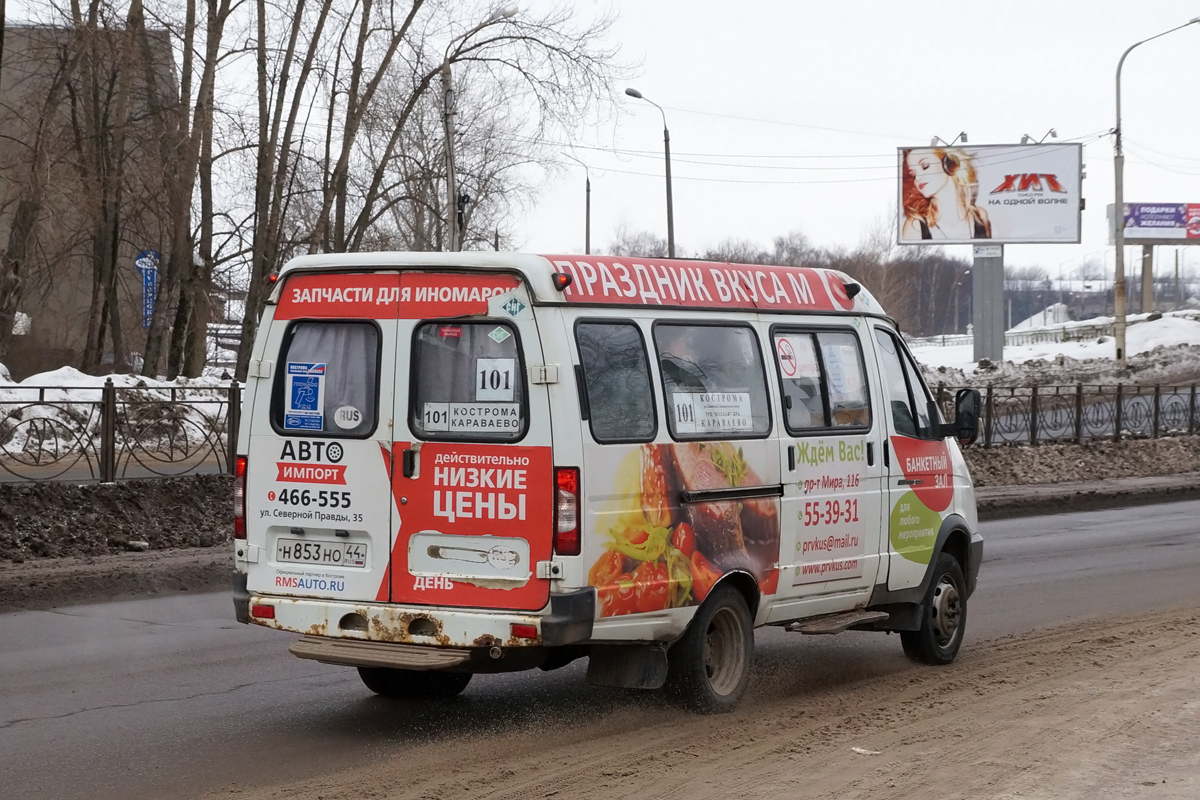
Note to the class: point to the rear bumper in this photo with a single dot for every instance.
(567, 619)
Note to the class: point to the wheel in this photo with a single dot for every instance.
(414, 684)
(709, 667)
(943, 616)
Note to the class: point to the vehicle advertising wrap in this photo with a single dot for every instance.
(703, 284)
(472, 523)
(917, 515)
(1001, 193)
(658, 552)
(389, 295)
(312, 519)
(835, 506)
(1177, 223)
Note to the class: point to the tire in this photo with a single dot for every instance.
(943, 616)
(709, 667)
(412, 684)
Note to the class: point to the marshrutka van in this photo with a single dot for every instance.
(460, 463)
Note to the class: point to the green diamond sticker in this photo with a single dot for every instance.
(499, 335)
(513, 307)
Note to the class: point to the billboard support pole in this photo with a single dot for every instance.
(987, 302)
(1147, 278)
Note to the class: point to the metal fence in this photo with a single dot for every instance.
(1074, 413)
(110, 433)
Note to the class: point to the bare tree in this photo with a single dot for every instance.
(628, 242)
(321, 69)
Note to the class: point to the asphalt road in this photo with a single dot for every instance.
(170, 697)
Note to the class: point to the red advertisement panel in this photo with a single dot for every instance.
(473, 525)
(701, 284)
(407, 295)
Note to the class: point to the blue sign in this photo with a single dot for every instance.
(305, 396)
(147, 264)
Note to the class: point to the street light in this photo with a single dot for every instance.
(455, 204)
(587, 214)
(667, 152)
(1119, 204)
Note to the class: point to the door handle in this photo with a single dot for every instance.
(870, 454)
(913, 482)
(791, 458)
(408, 461)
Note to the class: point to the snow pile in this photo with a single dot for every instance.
(1055, 314)
(1162, 351)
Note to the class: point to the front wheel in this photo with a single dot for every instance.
(943, 616)
(413, 684)
(709, 667)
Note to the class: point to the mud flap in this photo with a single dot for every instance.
(628, 666)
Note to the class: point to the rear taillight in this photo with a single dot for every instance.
(566, 511)
(239, 498)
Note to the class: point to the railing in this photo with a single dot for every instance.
(1042, 414)
(109, 433)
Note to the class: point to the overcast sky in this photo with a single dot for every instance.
(786, 115)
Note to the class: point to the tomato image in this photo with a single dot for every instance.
(683, 539)
(704, 577)
(651, 586)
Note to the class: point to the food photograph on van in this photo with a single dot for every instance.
(661, 555)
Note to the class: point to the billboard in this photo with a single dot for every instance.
(1005, 193)
(1160, 223)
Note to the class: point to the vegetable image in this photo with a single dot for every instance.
(704, 577)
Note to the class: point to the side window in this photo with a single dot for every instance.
(467, 382)
(823, 380)
(713, 381)
(616, 375)
(328, 380)
(849, 401)
(905, 393)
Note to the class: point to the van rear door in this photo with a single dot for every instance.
(474, 477)
(318, 518)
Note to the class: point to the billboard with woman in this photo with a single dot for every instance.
(999, 193)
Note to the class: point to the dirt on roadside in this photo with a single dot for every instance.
(1105, 709)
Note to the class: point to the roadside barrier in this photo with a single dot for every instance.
(108, 433)
(1073, 413)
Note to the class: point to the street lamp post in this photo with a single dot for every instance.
(454, 204)
(667, 154)
(1119, 204)
(587, 205)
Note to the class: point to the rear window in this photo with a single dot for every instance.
(328, 380)
(713, 381)
(467, 382)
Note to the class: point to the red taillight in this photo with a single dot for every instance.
(524, 631)
(239, 499)
(262, 612)
(566, 511)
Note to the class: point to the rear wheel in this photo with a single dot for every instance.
(943, 616)
(413, 684)
(709, 667)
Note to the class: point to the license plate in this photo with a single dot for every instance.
(334, 554)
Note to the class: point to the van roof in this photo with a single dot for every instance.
(632, 281)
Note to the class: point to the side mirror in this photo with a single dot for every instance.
(967, 407)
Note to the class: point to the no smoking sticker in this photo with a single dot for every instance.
(787, 358)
